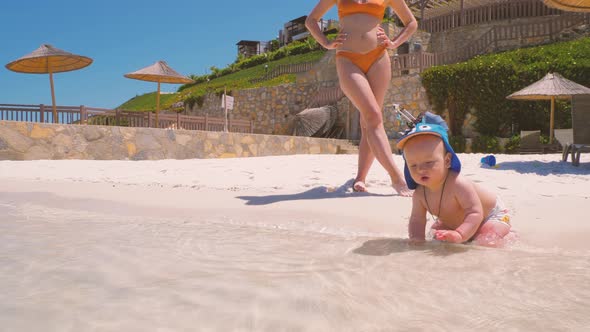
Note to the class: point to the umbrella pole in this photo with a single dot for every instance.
(52, 96)
(551, 121)
(158, 107)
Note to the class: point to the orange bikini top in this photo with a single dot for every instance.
(371, 7)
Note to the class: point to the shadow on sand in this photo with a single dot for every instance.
(385, 247)
(544, 168)
(321, 192)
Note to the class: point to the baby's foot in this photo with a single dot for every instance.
(402, 188)
(359, 186)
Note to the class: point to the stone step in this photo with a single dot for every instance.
(347, 149)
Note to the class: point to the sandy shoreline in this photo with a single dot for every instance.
(536, 187)
(279, 243)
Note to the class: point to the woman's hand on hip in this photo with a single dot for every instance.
(336, 42)
(384, 39)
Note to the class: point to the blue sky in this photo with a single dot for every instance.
(126, 35)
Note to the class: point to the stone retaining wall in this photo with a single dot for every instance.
(273, 109)
(32, 141)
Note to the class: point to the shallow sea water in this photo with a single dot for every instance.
(71, 270)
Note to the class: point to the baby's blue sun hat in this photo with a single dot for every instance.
(426, 128)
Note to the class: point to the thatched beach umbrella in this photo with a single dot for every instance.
(48, 60)
(159, 72)
(552, 86)
(315, 121)
(570, 5)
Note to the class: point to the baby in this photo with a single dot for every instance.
(462, 210)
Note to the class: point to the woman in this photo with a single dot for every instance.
(364, 72)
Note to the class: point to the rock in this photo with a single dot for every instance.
(14, 140)
(92, 133)
(41, 132)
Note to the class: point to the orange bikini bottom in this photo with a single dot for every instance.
(363, 60)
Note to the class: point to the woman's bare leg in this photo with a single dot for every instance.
(365, 160)
(359, 88)
(366, 156)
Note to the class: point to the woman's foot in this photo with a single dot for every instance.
(359, 186)
(402, 188)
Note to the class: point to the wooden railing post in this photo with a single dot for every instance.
(178, 120)
(206, 122)
(251, 127)
(149, 120)
(118, 117)
(419, 61)
(495, 37)
(229, 123)
(83, 115)
(42, 110)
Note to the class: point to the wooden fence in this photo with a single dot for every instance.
(285, 69)
(101, 116)
(491, 41)
(483, 14)
(402, 64)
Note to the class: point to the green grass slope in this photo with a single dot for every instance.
(235, 81)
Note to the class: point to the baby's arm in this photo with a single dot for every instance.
(468, 199)
(417, 225)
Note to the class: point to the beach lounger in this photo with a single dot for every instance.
(530, 142)
(565, 138)
(580, 127)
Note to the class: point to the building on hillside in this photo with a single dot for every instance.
(250, 48)
(296, 30)
(293, 30)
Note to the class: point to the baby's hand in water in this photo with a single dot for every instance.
(448, 236)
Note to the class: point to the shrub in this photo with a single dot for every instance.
(192, 100)
(481, 85)
(512, 145)
(299, 48)
(252, 61)
(279, 54)
(458, 143)
(485, 144)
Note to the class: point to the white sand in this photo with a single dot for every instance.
(280, 243)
